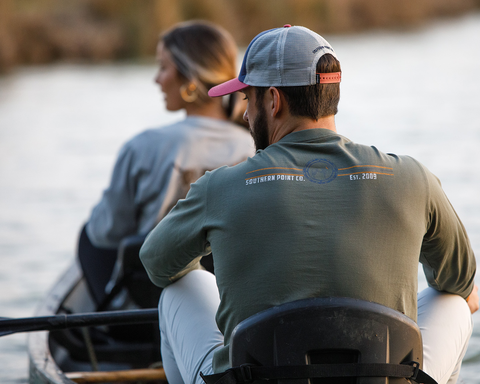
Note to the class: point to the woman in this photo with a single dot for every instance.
(156, 167)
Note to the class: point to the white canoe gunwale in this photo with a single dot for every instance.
(55, 355)
(42, 367)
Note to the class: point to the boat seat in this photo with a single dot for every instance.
(129, 275)
(319, 333)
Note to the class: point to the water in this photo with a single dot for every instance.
(415, 92)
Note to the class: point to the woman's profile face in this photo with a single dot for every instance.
(169, 79)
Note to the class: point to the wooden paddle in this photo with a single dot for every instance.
(9, 326)
(117, 376)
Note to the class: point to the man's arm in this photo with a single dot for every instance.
(473, 300)
(175, 245)
(447, 256)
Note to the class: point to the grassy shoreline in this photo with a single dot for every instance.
(45, 31)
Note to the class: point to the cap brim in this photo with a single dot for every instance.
(226, 88)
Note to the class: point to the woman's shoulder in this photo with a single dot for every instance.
(186, 131)
(157, 134)
(221, 124)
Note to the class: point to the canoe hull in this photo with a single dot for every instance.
(42, 367)
(121, 347)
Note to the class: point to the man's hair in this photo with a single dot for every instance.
(314, 101)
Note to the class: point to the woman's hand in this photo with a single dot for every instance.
(472, 300)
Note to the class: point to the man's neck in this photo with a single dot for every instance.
(295, 124)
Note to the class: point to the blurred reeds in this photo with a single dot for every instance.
(43, 31)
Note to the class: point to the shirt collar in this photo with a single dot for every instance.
(309, 135)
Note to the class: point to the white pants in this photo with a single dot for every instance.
(446, 325)
(189, 333)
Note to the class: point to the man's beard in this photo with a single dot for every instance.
(259, 131)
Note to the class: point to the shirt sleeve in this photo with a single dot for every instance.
(115, 216)
(177, 243)
(447, 256)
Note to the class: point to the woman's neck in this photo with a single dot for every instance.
(211, 109)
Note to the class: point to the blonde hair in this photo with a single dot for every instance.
(206, 55)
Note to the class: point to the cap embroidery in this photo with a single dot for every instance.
(322, 47)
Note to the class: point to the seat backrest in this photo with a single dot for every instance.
(129, 274)
(327, 331)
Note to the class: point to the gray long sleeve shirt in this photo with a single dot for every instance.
(155, 168)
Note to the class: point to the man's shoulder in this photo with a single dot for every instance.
(406, 167)
(227, 171)
(230, 174)
(389, 157)
(407, 162)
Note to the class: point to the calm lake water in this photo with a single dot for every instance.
(411, 92)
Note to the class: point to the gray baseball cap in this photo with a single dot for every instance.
(281, 57)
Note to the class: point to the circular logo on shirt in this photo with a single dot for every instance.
(320, 171)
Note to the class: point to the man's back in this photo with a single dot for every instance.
(316, 215)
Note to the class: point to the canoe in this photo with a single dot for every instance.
(121, 353)
(312, 327)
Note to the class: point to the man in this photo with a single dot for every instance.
(312, 214)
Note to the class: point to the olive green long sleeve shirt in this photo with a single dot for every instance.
(315, 215)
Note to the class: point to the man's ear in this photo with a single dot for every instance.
(276, 102)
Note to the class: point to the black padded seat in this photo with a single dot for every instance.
(327, 331)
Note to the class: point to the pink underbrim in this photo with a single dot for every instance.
(226, 88)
